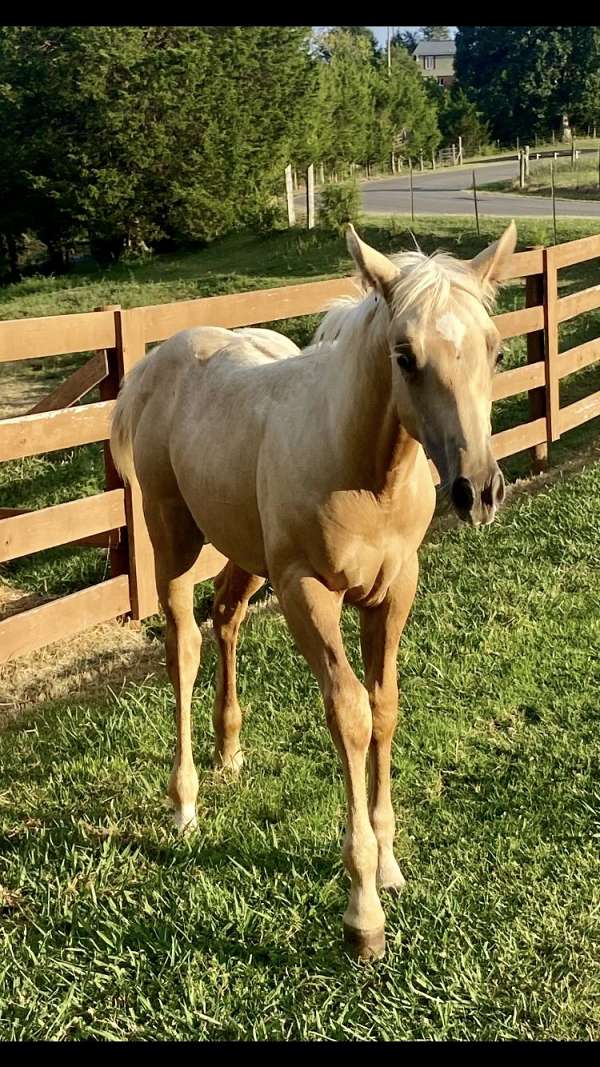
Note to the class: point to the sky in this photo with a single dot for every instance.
(381, 31)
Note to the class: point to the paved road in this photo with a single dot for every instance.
(448, 192)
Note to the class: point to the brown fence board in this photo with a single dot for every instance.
(571, 252)
(61, 524)
(514, 323)
(518, 380)
(59, 619)
(578, 303)
(579, 357)
(108, 539)
(29, 435)
(55, 335)
(581, 411)
(75, 386)
(242, 309)
(517, 438)
(524, 264)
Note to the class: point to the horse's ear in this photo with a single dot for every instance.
(490, 265)
(376, 269)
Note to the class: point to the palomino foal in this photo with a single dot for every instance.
(313, 471)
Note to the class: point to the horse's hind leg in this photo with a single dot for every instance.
(177, 543)
(233, 589)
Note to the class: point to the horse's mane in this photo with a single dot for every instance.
(425, 285)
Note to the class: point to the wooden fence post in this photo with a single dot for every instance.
(527, 162)
(521, 170)
(108, 389)
(551, 344)
(310, 197)
(142, 586)
(289, 192)
(535, 295)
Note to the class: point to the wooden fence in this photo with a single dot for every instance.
(114, 518)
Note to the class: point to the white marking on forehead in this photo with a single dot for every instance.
(451, 328)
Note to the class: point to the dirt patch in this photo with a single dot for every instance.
(20, 392)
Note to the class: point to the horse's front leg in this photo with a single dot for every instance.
(380, 630)
(313, 615)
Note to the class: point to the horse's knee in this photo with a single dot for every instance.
(348, 712)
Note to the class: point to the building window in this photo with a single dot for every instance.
(429, 62)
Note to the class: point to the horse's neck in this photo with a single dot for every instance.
(371, 446)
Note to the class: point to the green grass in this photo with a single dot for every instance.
(237, 263)
(115, 928)
(581, 182)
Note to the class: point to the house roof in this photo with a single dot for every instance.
(435, 48)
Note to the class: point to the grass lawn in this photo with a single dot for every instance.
(581, 182)
(115, 928)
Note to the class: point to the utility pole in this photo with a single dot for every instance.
(389, 50)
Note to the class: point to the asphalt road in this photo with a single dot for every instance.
(448, 192)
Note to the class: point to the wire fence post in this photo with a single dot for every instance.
(475, 202)
(412, 196)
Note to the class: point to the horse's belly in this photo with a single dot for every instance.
(232, 526)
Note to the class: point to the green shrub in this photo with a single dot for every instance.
(339, 205)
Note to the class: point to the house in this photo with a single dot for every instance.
(436, 60)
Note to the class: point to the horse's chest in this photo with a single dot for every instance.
(362, 547)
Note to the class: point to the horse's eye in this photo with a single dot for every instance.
(405, 360)
(499, 358)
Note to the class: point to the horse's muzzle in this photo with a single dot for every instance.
(475, 503)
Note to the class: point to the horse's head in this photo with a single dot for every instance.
(444, 349)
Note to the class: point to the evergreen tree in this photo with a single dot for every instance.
(435, 33)
(524, 78)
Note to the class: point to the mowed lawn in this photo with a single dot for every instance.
(113, 927)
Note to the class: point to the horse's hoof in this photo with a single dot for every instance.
(184, 818)
(392, 882)
(228, 764)
(365, 944)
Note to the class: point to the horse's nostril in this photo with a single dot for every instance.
(463, 496)
(493, 494)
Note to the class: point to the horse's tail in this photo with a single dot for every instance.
(126, 414)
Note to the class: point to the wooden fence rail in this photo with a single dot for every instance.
(116, 339)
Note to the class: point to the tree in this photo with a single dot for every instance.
(459, 117)
(367, 35)
(346, 98)
(523, 78)
(435, 33)
(406, 39)
(405, 116)
(134, 134)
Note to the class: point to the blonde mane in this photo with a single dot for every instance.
(426, 285)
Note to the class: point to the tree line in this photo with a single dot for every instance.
(133, 136)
